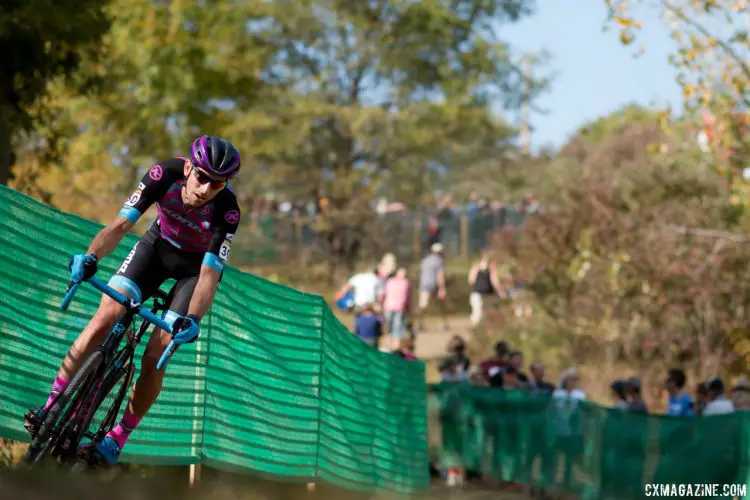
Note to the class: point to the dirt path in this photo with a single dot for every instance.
(430, 344)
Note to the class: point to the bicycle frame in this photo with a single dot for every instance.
(117, 362)
(132, 308)
(120, 359)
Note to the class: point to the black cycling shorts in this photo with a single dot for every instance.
(151, 262)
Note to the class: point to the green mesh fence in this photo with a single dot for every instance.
(586, 450)
(275, 384)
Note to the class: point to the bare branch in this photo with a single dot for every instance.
(708, 233)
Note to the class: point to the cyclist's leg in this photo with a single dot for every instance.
(133, 277)
(150, 381)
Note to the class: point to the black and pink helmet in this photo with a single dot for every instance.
(217, 156)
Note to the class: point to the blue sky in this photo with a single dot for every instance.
(596, 74)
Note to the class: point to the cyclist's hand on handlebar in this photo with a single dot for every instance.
(83, 267)
(185, 330)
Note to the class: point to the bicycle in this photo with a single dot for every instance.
(67, 421)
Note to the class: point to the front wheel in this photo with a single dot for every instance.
(72, 398)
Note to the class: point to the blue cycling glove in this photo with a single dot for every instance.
(186, 330)
(83, 267)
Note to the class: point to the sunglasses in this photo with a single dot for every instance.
(203, 178)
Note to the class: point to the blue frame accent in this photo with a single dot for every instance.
(126, 284)
(132, 305)
(170, 317)
(130, 213)
(213, 262)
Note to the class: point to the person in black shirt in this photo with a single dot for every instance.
(485, 283)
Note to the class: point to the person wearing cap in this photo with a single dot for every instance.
(718, 403)
(432, 282)
(680, 403)
(633, 390)
(619, 394)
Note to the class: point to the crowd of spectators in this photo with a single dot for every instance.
(506, 369)
(379, 297)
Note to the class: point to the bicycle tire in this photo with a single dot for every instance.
(111, 379)
(41, 444)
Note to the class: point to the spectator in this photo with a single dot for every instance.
(484, 283)
(537, 382)
(497, 363)
(450, 372)
(457, 349)
(680, 404)
(569, 392)
(433, 233)
(569, 441)
(741, 395)
(718, 403)
(511, 379)
(619, 394)
(432, 282)
(406, 349)
(476, 376)
(516, 361)
(387, 266)
(366, 288)
(368, 327)
(701, 398)
(633, 390)
(396, 305)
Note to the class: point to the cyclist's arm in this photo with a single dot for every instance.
(106, 240)
(152, 187)
(226, 221)
(205, 289)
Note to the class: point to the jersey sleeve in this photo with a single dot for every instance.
(154, 184)
(226, 222)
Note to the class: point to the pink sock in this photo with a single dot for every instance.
(121, 433)
(58, 386)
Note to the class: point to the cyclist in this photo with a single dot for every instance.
(190, 241)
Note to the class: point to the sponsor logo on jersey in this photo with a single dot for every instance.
(183, 220)
(156, 172)
(127, 260)
(229, 236)
(141, 186)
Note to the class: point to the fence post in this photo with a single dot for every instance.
(195, 474)
(464, 236)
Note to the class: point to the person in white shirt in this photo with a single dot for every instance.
(367, 288)
(718, 403)
(567, 398)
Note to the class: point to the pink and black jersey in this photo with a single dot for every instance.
(208, 229)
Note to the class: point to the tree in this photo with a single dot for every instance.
(39, 40)
(161, 77)
(622, 264)
(380, 94)
(713, 68)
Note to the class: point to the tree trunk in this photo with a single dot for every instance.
(6, 152)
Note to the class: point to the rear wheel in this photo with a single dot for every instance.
(74, 396)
